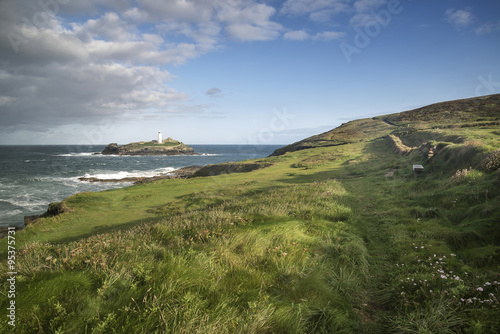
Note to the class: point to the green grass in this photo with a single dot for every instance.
(219, 262)
(149, 143)
(324, 240)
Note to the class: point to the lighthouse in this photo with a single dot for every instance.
(159, 138)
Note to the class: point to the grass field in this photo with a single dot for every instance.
(331, 239)
(167, 143)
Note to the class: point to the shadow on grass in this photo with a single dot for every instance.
(356, 168)
(103, 229)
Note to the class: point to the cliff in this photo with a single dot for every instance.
(170, 147)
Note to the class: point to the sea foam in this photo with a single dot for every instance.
(124, 174)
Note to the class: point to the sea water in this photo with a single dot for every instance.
(31, 177)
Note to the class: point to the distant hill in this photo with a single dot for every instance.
(478, 111)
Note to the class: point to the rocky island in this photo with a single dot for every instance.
(167, 146)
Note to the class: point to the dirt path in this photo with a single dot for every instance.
(369, 221)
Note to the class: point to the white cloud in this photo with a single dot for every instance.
(313, 7)
(58, 70)
(190, 11)
(5, 100)
(83, 61)
(460, 18)
(368, 5)
(109, 26)
(487, 28)
(364, 19)
(154, 39)
(250, 22)
(297, 35)
(214, 92)
(301, 35)
(59, 94)
(329, 35)
(250, 32)
(324, 10)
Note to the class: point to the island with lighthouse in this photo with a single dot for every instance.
(159, 146)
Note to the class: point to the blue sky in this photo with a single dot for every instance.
(233, 71)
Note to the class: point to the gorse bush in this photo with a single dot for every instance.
(491, 162)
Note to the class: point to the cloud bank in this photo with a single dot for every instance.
(58, 69)
(77, 62)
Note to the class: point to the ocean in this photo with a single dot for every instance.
(31, 177)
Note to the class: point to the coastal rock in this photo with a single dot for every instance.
(56, 208)
(111, 149)
(230, 167)
(168, 147)
(28, 220)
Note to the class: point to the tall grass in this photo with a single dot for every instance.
(277, 261)
(304, 253)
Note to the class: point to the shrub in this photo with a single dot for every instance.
(460, 175)
(491, 162)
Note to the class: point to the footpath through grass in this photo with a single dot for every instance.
(334, 239)
(433, 243)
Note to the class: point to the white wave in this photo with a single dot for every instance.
(84, 154)
(24, 201)
(11, 213)
(210, 154)
(124, 174)
(5, 186)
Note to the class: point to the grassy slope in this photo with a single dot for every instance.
(467, 112)
(332, 239)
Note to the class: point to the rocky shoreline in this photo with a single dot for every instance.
(57, 208)
(182, 173)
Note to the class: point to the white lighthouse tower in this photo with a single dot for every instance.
(160, 141)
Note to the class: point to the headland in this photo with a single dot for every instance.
(168, 146)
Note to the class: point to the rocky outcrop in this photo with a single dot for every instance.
(28, 220)
(149, 148)
(230, 167)
(112, 148)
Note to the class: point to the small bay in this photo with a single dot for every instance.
(31, 177)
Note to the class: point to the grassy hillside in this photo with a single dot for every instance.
(335, 238)
(471, 112)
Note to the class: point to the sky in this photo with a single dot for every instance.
(233, 71)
